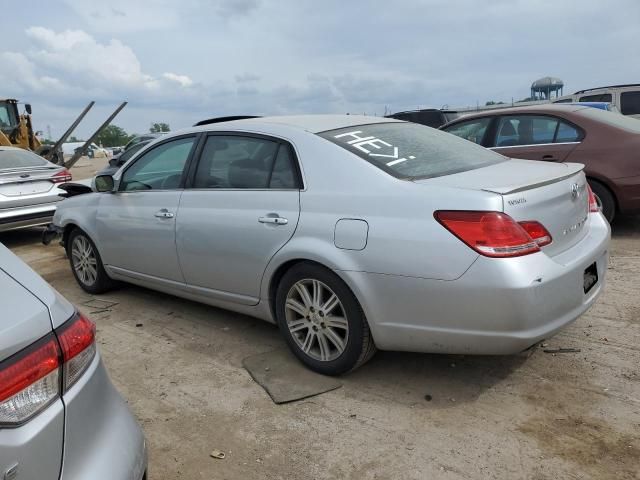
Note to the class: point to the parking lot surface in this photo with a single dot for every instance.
(402, 416)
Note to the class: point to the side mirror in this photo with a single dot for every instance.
(27, 107)
(104, 183)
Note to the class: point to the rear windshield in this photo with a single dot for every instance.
(20, 159)
(614, 119)
(412, 151)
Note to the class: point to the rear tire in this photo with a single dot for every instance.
(322, 320)
(605, 199)
(86, 264)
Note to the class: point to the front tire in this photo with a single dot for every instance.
(86, 264)
(322, 320)
(605, 199)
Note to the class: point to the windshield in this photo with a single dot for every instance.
(20, 159)
(614, 119)
(409, 150)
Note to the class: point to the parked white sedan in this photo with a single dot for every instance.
(351, 233)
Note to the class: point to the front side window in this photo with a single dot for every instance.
(630, 103)
(412, 151)
(472, 130)
(160, 168)
(238, 162)
(599, 97)
(525, 130)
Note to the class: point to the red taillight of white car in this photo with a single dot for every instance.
(34, 377)
(29, 381)
(78, 342)
(593, 201)
(62, 176)
(495, 234)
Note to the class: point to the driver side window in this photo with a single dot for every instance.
(160, 168)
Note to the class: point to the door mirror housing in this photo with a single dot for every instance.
(27, 107)
(103, 183)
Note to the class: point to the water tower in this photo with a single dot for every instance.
(543, 88)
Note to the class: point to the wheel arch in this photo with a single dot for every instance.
(71, 226)
(286, 265)
(607, 185)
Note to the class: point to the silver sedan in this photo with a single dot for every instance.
(351, 233)
(29, 189)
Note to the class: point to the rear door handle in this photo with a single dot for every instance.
(164, 213)
(549, 158)
(274, 220)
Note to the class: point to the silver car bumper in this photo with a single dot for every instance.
(23, 217)
(102, 439)
(498, 306)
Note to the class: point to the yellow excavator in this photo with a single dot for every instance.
(16, 130)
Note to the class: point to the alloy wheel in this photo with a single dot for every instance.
(316, 320)
(84, 260)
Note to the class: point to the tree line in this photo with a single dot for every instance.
(115, 136)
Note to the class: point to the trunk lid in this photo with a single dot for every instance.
(27, 186)
(553, 194)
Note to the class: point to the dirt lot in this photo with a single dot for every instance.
(568, 416)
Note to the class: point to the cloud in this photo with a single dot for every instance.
(247, 77)
(73, 64)
(183, 80)
(118, 16)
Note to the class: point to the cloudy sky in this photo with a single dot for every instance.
(181, 61)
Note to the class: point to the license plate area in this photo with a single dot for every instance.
(590, 277)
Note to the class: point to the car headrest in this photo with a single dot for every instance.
(247, 173)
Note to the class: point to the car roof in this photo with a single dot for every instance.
(544, 108)
(310, 123)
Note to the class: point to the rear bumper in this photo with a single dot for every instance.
(499, 306)
(103, 441)
(23, 217)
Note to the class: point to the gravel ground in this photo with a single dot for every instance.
(401, 416)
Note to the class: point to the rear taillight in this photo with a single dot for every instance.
(62, 176)
(593, 201)
(78, 341)
(493, 234)
(537, 232)
(31, 379)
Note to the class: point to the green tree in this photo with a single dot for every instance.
(112, 136)
(159, 127)
(74, 139)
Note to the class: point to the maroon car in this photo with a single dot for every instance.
(607, 143)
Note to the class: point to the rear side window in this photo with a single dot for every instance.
(409, 150)
(232, 161)
(20, 159)
(599, 97)
(630, 103)
(567, 133)
(472, 130)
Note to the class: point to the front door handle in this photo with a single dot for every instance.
(164, 213)
(549, 158)
(274, 220)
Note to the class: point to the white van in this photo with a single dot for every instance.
(625, 97)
